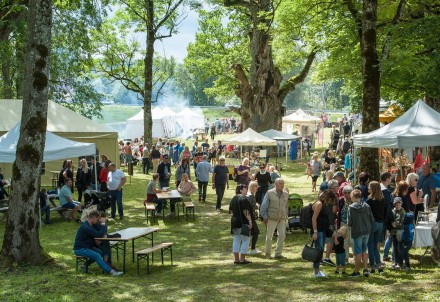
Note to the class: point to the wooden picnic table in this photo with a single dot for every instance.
(127, 235)
(173, 194)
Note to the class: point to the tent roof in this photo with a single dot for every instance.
(250, 138)
(390, 114)
(300, 117)
(156, 113)
(188, 112)
(168, 112)
(279, 136)
(418, 127)
(59, 119)
(56, 147)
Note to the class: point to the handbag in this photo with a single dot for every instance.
(244, 227)
(311, 253)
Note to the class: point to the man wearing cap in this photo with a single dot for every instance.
(342, 182)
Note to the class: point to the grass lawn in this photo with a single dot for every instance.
(203, 263)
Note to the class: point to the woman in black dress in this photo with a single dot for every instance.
(240, 209)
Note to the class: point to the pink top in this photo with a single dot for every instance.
(186, 187)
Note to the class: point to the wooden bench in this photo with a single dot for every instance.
(188, 206)
(145, 254)
(150, 209)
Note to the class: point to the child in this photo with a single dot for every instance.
(397, 229)
(44, 207)
(339, 237)
(405, 243)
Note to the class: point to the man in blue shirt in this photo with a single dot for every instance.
(426, 183)
(85, 243)
(203, 169)
(66, 200)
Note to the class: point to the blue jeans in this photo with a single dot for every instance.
(319, 244)
(373, 251)
(404, 253)
(244, 240)
(46, 209)
(387, 247)
(116, 197)
(93, 255)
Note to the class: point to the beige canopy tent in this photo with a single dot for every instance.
(67, 124)
(250, 137)
(307, 123)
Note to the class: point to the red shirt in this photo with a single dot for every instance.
(103, 175)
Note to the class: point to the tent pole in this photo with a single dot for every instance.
(96, 177)
(400, 160)
(354, 165)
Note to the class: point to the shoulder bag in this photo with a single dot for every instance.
(311, 253)
(244, 227)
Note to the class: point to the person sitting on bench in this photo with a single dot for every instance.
(66, 200)
(85, 243)
(44, 207)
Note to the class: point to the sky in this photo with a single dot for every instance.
(176, 45)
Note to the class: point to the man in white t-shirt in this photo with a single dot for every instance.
(115, 181)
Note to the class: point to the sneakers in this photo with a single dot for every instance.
(354, 274)
(115, 273)
(200, 197)
(158, 213)
(254, 252)
(366, 272)
(372, 271)
(380, 270)
(320, 274)
(396, 266)
(408, 269)
(268, 256)
(328, 262)
(386, 259)
(85, 270)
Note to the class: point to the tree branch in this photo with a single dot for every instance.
(355, 14)
(245, 3)
(298, 79)
(240, 75)
(397, 17)
(135, 11)
(170, 11)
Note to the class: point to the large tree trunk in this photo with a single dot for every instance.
(434, 152)
(261, 92)
(21, 242)
(148, 73)
(369, 160)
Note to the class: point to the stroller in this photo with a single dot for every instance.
(95, 201)
(295, 205)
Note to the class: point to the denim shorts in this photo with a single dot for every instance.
(340, 259)
(360, 244)
(69, 205)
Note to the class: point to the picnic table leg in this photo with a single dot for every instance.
(132, 248)
(125, 249)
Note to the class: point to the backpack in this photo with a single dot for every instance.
(235, 175)
(408, 228)
(305, 216)
(364, 191)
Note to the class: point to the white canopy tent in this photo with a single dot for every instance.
(56, 147)
(418, 127)
(189, 120)
(306, 121)
(281, 136)
(135, 125)
(169, 122)
(250, 137)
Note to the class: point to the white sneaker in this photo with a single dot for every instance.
(254, 252)
(115, 273)
(320, 274)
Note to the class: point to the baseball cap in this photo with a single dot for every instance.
(397, 200)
